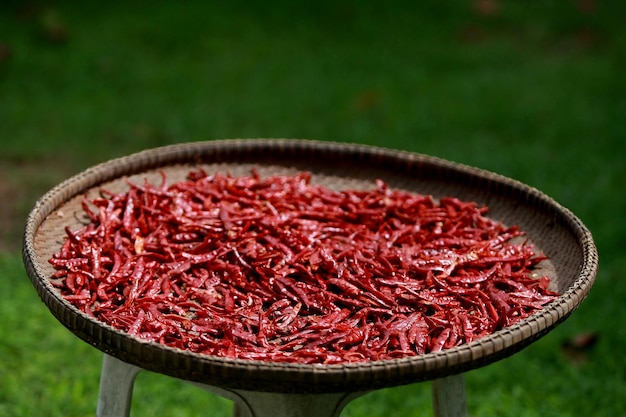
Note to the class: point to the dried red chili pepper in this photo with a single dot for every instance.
(280, 269)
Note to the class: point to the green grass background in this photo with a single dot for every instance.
(532, 90)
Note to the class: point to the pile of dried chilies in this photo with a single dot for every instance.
(279, 269)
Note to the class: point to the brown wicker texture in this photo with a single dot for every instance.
(554, 229)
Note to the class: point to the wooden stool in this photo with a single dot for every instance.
(118, 377)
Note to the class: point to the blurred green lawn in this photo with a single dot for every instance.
(532, 91)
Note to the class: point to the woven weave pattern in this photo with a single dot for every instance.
(552, 228)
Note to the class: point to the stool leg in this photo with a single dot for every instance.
(449, 397)
(116, 387)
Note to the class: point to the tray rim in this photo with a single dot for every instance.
(262, 376)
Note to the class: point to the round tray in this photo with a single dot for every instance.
(551, 227)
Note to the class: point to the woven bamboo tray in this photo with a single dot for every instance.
(552, 228)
